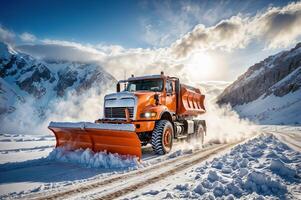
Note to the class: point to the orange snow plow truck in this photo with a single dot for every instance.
(155, 109)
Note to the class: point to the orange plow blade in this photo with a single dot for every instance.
(113, 138)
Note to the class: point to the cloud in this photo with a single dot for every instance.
(138, 61)
(110, 49)
(276, 27)
(173, 19)
(6, 35)
(227, 34)
(62, 50)
(115, 59)
(27, 37)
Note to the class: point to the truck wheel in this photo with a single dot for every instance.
(198, 135)
(162, 137)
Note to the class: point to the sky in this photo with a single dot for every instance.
(205, 40)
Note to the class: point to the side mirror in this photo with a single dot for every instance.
(156, 97)
(118, 87)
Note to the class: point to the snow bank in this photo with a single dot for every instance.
(88, 158)
(262, 168)
(243, 171)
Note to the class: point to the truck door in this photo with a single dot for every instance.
(171, 99)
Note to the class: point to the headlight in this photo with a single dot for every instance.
(148, 115)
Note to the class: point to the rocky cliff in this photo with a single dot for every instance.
(262, 78)
(270, 86)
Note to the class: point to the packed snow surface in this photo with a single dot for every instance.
(263, 168)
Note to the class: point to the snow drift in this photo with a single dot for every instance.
(262, 168)
(87, 158)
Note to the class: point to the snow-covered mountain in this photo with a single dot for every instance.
(269, 92)
(24, 78)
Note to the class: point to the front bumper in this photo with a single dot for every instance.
(140, 125)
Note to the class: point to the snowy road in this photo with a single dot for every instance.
(291, 137)
(175, 175)
(118, 186)
(156, 176)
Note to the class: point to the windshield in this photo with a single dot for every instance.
(155, 85)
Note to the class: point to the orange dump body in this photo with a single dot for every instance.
(191, 101)
(97, 137)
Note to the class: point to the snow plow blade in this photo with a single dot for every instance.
(113, 138)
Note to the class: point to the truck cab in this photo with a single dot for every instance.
(153, 103)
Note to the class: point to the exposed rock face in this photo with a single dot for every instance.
(287, 85)
(279, 74)
(67, 77)
(32, 84)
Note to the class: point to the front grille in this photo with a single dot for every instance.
(118, 112)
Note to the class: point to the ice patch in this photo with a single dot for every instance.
(226, 170)
(199, 189)
(278, 167)
(217, 164)
(218, 190)
(89, 159)
(151, 192)
(212, 176)
(262, 184)
(243, 172)
(182, 187)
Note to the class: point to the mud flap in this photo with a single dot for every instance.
(113, 138)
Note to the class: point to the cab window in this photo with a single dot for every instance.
(169, 87)
(155, 85)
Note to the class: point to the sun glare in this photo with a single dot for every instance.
(200, 66)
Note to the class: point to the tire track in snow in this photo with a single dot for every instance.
(146, 176)
(93, 184)
(178, 168)
(27, 149)
(289, 138)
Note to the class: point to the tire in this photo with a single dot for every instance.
(162, 137)
(198, 135)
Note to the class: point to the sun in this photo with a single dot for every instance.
(200, 66)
